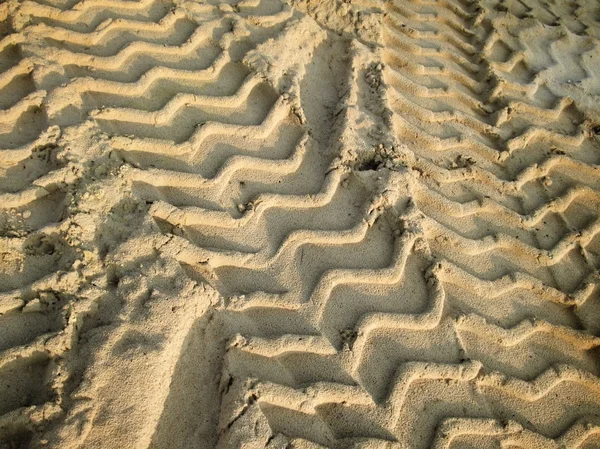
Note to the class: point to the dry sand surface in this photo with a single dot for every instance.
(299, 224)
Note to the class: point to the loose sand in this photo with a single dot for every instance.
(299, 224)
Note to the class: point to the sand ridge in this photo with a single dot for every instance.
(299, 224)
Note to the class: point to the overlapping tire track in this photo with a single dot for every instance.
(486, 178)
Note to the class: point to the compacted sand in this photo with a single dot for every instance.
(299, 224)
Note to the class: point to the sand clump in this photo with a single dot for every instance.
(299, 224)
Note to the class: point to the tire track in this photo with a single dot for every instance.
(475, 130)
(356, 209)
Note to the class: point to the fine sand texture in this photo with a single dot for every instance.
(299, 224)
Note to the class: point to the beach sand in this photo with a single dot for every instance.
(299, 224)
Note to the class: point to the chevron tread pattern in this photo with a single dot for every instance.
(488, 191)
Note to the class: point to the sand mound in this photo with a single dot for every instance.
(299, 224)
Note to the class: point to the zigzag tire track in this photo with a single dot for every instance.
(486, 194)
(438, 289)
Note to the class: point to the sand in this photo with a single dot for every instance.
(299, 224)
